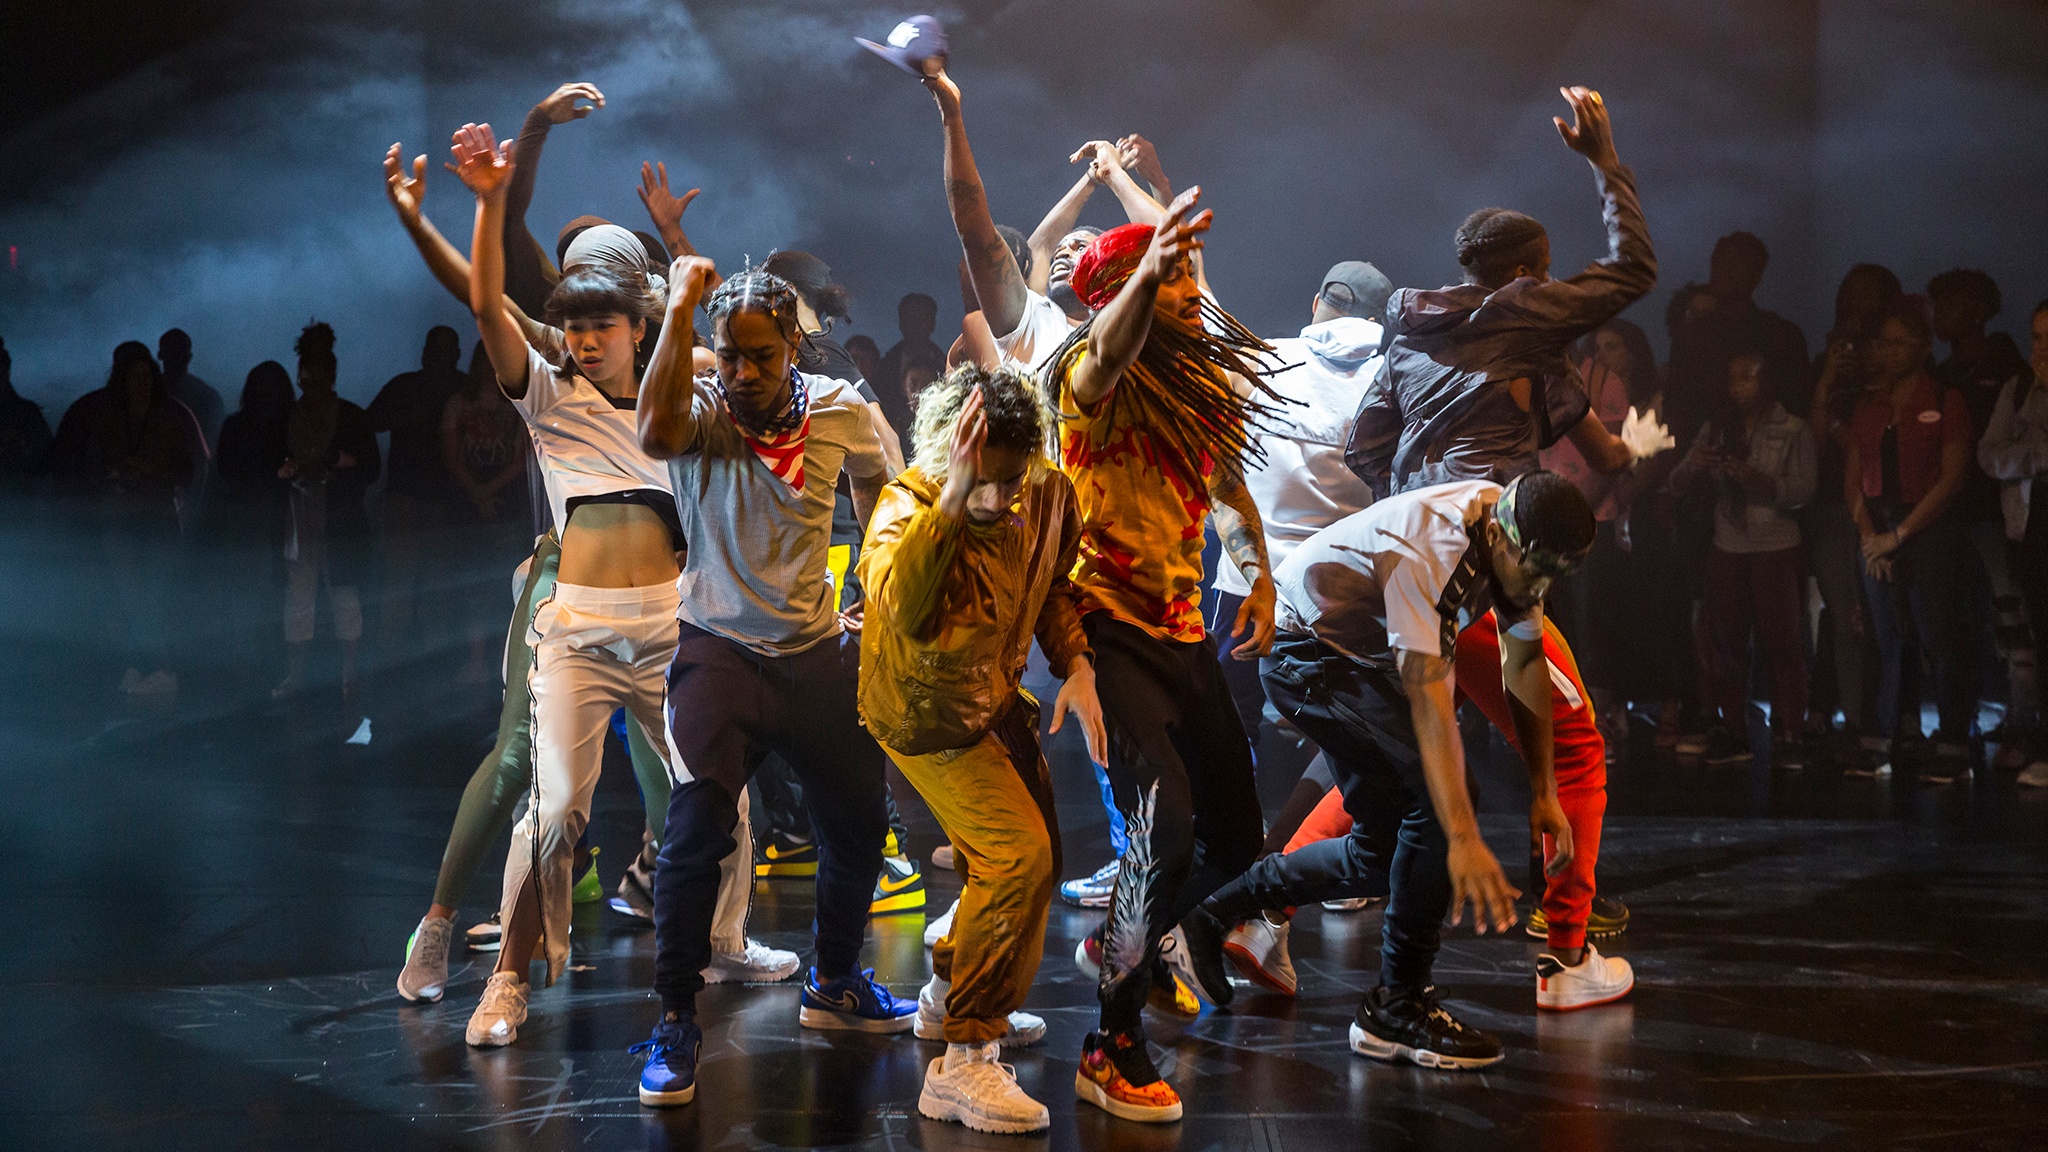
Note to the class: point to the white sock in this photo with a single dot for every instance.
(936, 990)
(961, 1054)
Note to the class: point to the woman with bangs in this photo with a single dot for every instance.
(604, 635)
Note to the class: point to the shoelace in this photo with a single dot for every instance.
(432, 947)
(499, 995)
(990, 1074)
(658, 1046)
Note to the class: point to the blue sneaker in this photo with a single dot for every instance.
(670, 1077)
(853, 1004)
(1092, 891)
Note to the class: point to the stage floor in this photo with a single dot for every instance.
(208, 903)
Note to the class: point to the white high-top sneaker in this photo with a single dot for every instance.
(1025, 1028)
(980, 1092)
(759, 964)
(497, 1018)
(1596, 979)
(1258, 947)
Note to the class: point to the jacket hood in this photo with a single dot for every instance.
(1344, 343)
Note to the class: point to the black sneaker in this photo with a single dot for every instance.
(1607, 918)
(1788, 752)
(1201, 955)
(1727, 746)
(1950, 763)
(1419, 1029)
(1873, 759)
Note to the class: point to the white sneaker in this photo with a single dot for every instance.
(1025, 1028)
(1596, 979)
(497, 1018)
(2035, 775)
(982, 1094)
(759, 964)
(1258, 947)
(425, 975)
(1351, 904)
(937, 929)
(1173, 948)
(484, 935)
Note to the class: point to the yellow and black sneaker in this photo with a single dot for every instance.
(1607, 919)
(900, 887)
(782, 856)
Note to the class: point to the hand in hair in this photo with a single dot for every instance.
(665, 208)
(561, 105)
(1589, 134)
(482, 164)
(408, 193)
(963, 460)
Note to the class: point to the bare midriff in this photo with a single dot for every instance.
(616, 546)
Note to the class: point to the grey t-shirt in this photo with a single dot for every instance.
(756, 567)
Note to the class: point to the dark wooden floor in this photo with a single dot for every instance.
(207, 903)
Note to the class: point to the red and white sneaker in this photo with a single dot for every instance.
(1258, 947)
(1596, 979)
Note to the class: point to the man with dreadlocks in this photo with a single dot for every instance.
(1475, 381)
(1154, 394)
(763, 662)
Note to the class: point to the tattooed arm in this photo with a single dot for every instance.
(1244, 542)
(997, 282)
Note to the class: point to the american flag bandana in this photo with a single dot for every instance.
(780, 442)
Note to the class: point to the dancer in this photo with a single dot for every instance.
(603, 635)
(1478, 379)
(1154, 396)
(1370, 609)
(764, 662)
(506, 771)
(967, 557)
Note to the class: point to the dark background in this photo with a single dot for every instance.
(215, 165)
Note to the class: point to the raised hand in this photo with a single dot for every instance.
(963, 458)
(407, 193)
(1178, 236)
(1644, 436)
(1589, 134)
(665, 208)
(687, 278)
(1103, 160)
(561, 105)
(482, 164)
(1139, 157)
(944, 91)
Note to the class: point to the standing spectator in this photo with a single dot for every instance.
(247, 515)
(1866, 293)
(174, 351)
(24, 434)
(417, 490)
(1979, 365)
(125, 451)
(1909, 449)
(1727, 322)
(917, 317)
(867, 356)
(331, 460)
(484, 445)
(1758, 461)
(2015, 451)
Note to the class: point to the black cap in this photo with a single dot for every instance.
(1362, 289)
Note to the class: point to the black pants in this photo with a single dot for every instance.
(728, 707)
(1181, 769)
(1360, 718)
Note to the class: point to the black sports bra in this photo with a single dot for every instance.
(659, 501)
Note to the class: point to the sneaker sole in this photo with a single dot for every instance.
(491, 1041)
(625, 907)
(933, 1107)
(1089, 968)
(1585, 1003)
(903, 902)
(423, 997)
(1248, 964)
(1090, 1092)
(673, 1099)
(826, 1020)
(1101, 901)
(727, 976)
(806, 869)
(1605, 932)
(1726, 758)
(1366, 1044)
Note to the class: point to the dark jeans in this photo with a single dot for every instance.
(1396, 848)
(1929, 581)
(1181, 770)
(1241, 676)
(728, 708)
(1760, 592)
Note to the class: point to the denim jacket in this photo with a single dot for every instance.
(2014, 449)
(1781, 449)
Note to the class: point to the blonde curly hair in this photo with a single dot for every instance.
(1009, 399)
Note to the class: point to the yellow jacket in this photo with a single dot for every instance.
(952, 607)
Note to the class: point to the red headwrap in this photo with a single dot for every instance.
(1103, 269)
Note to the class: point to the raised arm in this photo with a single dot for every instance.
(1119, 330)
(997, 282)
(1045, 238)
(571, 101)
(666, 208)
(1105, 167)
(1577, 304)
(448, 265)
(668, 389)
(485, 167)
(1141, 160)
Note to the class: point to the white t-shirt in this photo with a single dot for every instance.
(1303, 485)
(588, 445)
(756, 572)
(1038, 333)
(1405, 574)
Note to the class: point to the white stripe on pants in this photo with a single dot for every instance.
(594, 650)
(735, 872)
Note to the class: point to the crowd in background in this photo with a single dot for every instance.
(1843, 532)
